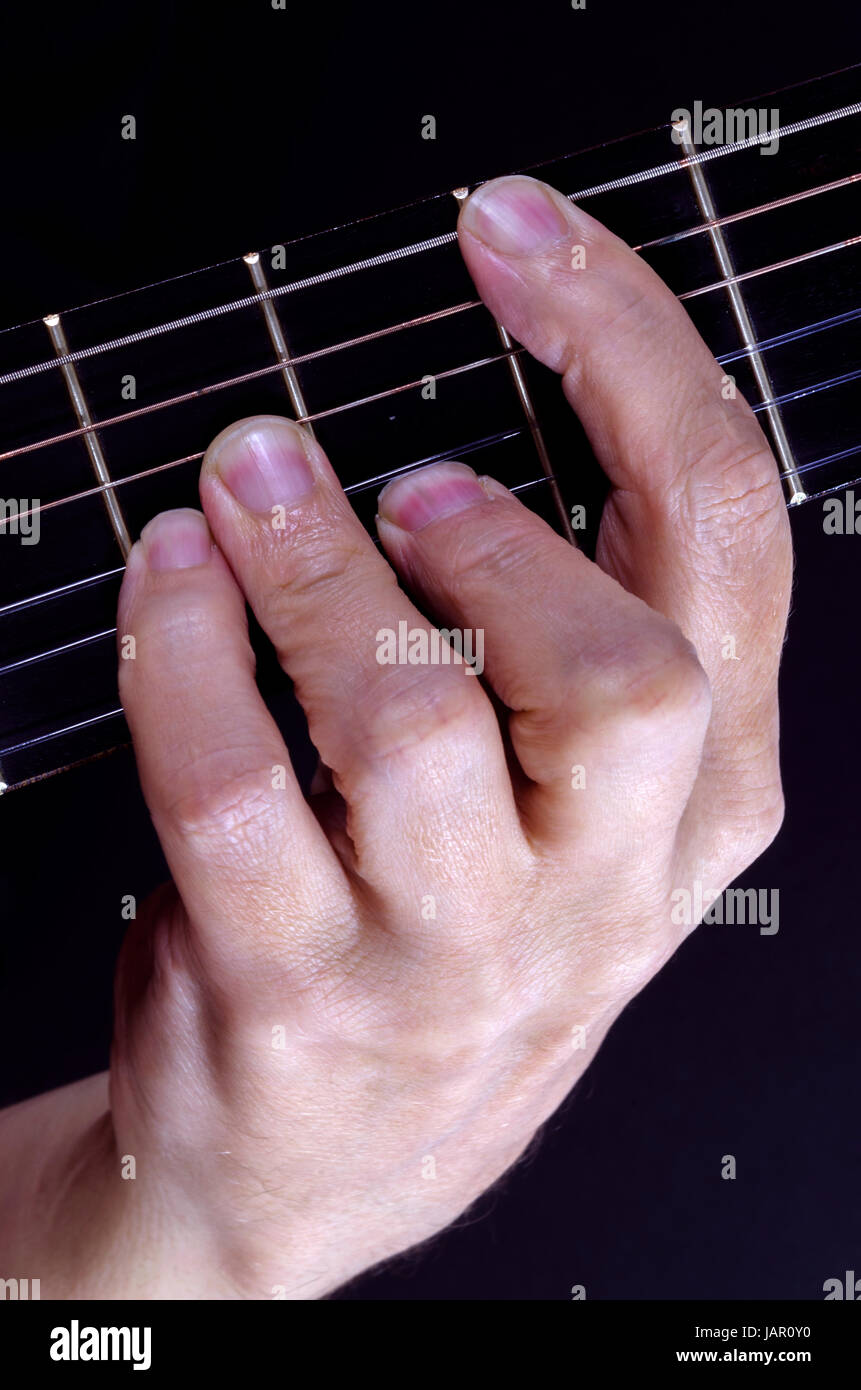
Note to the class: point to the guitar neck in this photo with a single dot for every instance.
(372, 334)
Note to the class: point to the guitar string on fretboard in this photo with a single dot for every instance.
(301, 359)
(67, 359)
(87, 428)
(301, 419)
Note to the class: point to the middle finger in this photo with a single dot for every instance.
(415, 749)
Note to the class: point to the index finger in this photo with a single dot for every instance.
(696, 523)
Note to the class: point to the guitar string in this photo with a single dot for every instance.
(36, 600)
(760, 208)
(58, 733)
(801, 391)
(628, 180)
(111, 631)
(276, 367)
(461, 450)
(438, 314)
(415, 248)
(91, 638)
(273, 368)
(385, 258)
(279, 366)
(792, 335)
(364, 485)
(718, 151)
(269, 370)
(352, 488)
(769, 269)
(115, 483)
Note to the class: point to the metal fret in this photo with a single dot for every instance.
(91, 438)
(276, 337)
(723, 256)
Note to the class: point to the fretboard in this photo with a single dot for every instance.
(373, 334)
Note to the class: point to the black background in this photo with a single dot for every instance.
(255, 126)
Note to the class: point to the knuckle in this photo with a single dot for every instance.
(654, 679)
(322, 565)
(734, 487)
(505, 551)
(406, 715)
(172, 633)
(223, 807)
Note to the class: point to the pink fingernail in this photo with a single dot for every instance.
(439, 490)
(515, 216)
(176, 540)
(264, 463)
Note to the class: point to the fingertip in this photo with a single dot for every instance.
(263, 461)
(516, 216)
(428, 494)
(175, 540)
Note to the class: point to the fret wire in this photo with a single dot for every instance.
(524, 395)
(519, 487)
(738, 305)
(275, 329)
(301, 420)
(93, 444)
(258, 372)
(747, 212)
(399, 253)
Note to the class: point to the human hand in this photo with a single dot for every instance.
(445, 934)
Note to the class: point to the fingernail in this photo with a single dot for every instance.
(176, 540)
(515, 216)
(428, 494)
(264, 463)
